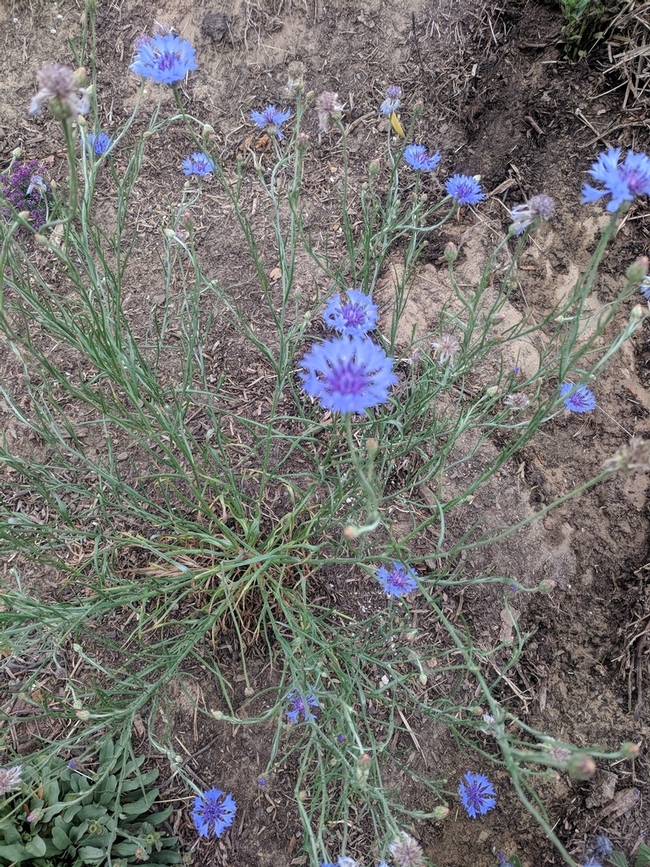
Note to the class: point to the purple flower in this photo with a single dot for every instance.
(99, 142)
(165, 58)
(61, 88)
(622, 182)
(9, 779)
(348, 374)
(464, 189)
(26, 190)
(503, 862)
(540, 207)
(592, 862)
(299, 705)
(417, 157)
(477, 794)
(198, 164)
(392, 101)
(213, 812)
(602, 846)
(398, 580)
(582, 400)
(271, 119)
(356, 317)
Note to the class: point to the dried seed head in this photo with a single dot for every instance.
(329, 107)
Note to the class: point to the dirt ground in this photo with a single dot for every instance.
(497, 99)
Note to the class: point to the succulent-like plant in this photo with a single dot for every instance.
(63, 816)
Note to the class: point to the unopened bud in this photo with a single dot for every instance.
(81, 121)
(581, 766)
(207, 130)
(351, 532)
(83, 715)
(16, 153)
(303, 140)
(440, 813)
(637, 270)
(80, 77)
(630, 751)
(451, 252)
(547, 585)
(24, 215)
(216, 714)
(637, 313)
(373, 168)
(36, 815)
(371, 446)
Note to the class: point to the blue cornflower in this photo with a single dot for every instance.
(464, 189)
(417, 157)
(592, 862)
(582, 400)
(398, 580)
(99, 142)
(644, 288)
(602, 846)
(300, 704)
(477, 794)
(271, 119)
(622, 182)
(356, 317)
(503, 861)
(213, 812)
(164, 59)
(198, 164)
(392, 101)
(348, 374)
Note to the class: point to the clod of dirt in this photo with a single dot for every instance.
(215, 26)
(603, 786)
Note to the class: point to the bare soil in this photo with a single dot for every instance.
(497, 99)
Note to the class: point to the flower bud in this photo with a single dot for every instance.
(637, 270)
(637, 313)
(351, 532)
(440, 813)
(373, 168)
(581, 766)
(16, 153)
(547, 585)
(24, 215)
(363, 768)
(630, 751)
(36, 815)
(80, 77)
(451, 252)
(83, 715)
(372, 445)
(81, 121)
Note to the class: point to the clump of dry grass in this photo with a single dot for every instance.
(628, 45)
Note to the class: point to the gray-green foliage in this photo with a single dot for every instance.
(642, 859)
(62, 817)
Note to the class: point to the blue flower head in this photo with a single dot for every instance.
(602, 847)
(299, 705)
(477, 794)
(398, 580)
(622, 182)
(99, 142)
(644, 287)
(198, 164)
(164, 59)
(582, 400)
(392, 101)
(418, 158)
(592, 862)
(464, 189)
(355, 317)
(213, 812)
(348, 374)
(271, 119)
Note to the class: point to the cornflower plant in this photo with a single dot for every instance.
(349, 434)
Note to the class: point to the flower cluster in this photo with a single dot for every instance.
(64, 90)
(477, 794)
(398, 580)
(577, 399)
(213, 812)
(164, 59)
(270, 120)
(26, 190)
(198, 164)
(299, 705)
(354, 317)
(623, 182)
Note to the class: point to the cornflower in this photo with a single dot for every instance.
(398, 580)
(406, 851)
(9, 779)
(348, 374)
(165, 58)
(99, 142)
(271, 119)
(213, 812)
(622, 182)
(198, 164)
(26, 190)
(582, 399)
(644, 288)
(299, 704)
(541, 207)
(328, 107)
(517, 400)
(602, 846)
(464, 189)
(477, 794)
(447, 347)
(355, 318)
(392, 101)
(64, 90)
(418, 158)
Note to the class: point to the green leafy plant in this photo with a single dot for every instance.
(65, 816)
(584, 19)
(642, 857)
